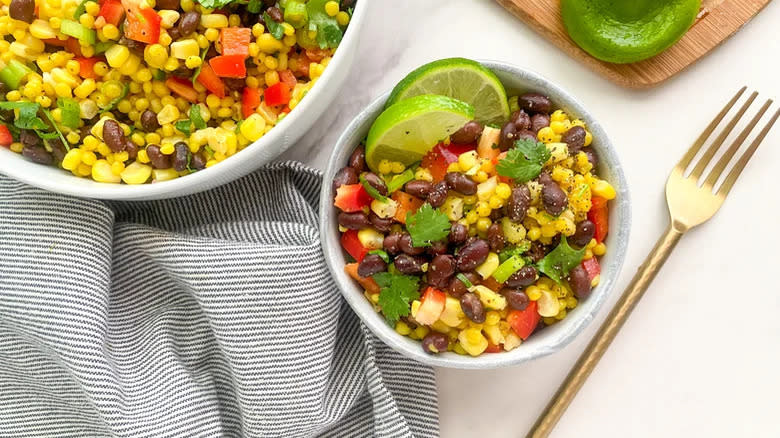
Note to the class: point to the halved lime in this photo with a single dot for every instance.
(406, 131)
(459, 78)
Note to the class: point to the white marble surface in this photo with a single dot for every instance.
(700, 355)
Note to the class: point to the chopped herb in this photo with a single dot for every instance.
(560, 261)
(160, 75)
(509, 267)
(395, 294)
(102, 46)
(54, 125)
(116, 101)
(70, 111)
(274, 28)
(513, 251)
(196, 118)
(524, 162)
(254, 6)
(200, 67)
(28, 115)
(184, 126)
(374, 193)
(214, 4)
(329, 33)
(381, 254)
(82, 7)
(427, 225)
(465, 280)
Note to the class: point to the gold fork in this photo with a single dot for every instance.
(692, 201)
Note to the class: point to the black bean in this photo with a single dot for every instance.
(345, 176)
(198, 161)
(181, 156)
(460, 183)
(516, 299)
(167, 4)
(133, 45)
(437, 247)
(438, 194)
(472, 307)
(409, 265)
(37, 154)
(113, 135)
(554, 198)
(418, 188)
(538, 251)
(468, 134)
(593, 157)
(458, 233)
(157, 158)
(370, 265)
(358, 159)
(174, 33)
(584, 233)
(526, 135)
(353, 221)
(275, 14)
(575, 139)
(406, 245)
(435, 342)
(539, 121)
(495, 237)
(381, 224)
(521, 120)
(524, 277)
(29, 138)
(390, 244)
(534, 103)
(234, 84)
(149, 121)
(57, 149)
(507, 136)
(472, 254)
(579, 282)
(376, 182)
(131, 149)
(457, 288)
(188, 22)
(518, 203)
(22, 10)
(441, 268)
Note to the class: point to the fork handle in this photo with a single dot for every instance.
(607, 332)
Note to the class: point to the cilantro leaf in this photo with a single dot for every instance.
(524, 162)
(560, 261)
(214, 4)
(197, 70)
(427, 225)
(28, 115)
(273, 27)
(70, 111)
(110, 106)
(254, 6)
(184, 126)
(329, 34)
(395, 293)
(196, 118)
(48, 115)
(512, 251)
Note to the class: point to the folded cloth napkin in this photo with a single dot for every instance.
(211, 315)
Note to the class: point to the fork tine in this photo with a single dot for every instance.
(729, 154)
(728, 183)
(710, 152)
(688, 157)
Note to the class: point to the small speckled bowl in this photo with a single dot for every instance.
(542, 343)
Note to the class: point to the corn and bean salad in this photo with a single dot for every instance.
(495, 234)
(139, 91)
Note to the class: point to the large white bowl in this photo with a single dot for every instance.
(285, 134)
(542, 343)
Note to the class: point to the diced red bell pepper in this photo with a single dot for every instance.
(235, 40)
(288, 78)
(183, 88)
(431, 306)
(599, 215)
(87, 67)
(592, 267)
(142, 24)
(5, 136)
(211, 81)
(441, 156)
(112, 11)
(524, 322)
(229, 66)
(277, 94)
(352, 245)
(493, 348)
(352, 197)
(250, 100)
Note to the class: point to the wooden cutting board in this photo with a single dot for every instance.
(717, 21)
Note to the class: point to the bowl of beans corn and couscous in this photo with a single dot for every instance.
(458, 302)
(143, 99)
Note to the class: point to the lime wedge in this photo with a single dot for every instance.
(459, 78)
(406, 131)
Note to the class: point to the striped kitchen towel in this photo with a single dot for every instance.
(211, 315)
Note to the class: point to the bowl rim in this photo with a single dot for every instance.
(17, 168)
(564, 335)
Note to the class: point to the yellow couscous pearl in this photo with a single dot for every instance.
(503, 191)
(483, 209)
(402, 328)
(496, 202)
(600, 249)
(472, 217)
(483, 224)
(385, 167)
(533, 292)
(342, 18)
(167, 149)
(332, 8)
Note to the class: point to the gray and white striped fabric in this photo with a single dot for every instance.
(211, 315)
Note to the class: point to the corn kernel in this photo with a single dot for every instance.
(402, 328)
(136, 173)
(253, 127)
(102, 172)
(496, 202)
(600, 249)
(588, 138)
(117, 55)
(546, 135)
(483, 209)
(603, 189)
(342, 18)
(184, 49)
(483, 224)
(72, 159)
(214, 21)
